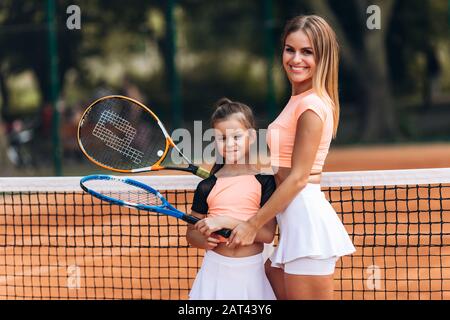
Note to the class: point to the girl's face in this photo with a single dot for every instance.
(298, 60)
(233, 140)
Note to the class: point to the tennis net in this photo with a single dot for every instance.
(58, 243)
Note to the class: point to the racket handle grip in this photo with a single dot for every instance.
(202, 173)
(226, 233)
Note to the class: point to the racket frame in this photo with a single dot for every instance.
(157, 165)
(166, 208)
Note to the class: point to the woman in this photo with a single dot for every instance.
(312, 237)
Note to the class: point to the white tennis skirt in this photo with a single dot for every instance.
(310, 227)
(227, 278)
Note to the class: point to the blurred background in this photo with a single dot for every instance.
(179, 57)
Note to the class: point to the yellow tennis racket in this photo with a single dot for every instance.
(121, 134)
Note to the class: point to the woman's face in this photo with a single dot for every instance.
(233, 140)
(298, 59)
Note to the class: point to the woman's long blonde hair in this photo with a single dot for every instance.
(326, 53)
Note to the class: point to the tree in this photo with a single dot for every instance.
(366, 58)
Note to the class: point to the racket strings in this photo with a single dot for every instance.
(123, 191)
(142, 197)
(121, 145)
(121, 134)
(151, 138)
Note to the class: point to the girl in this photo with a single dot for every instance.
(233, 193)
(312, 237)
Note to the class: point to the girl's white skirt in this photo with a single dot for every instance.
(310, 227)
(227, 278)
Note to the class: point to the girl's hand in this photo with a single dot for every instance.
(211, 243)
(209, 225)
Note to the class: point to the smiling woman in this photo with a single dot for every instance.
(312, 238)
(299, 61)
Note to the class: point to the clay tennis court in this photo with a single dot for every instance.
(88, 250)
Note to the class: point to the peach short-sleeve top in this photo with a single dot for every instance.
(281, 132)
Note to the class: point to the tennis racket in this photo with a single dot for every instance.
(121, 134)
(134, 194)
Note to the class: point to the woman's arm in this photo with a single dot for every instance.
(267, 232)
(197, 239)
(307, 140)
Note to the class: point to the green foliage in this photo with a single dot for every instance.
(220, 49)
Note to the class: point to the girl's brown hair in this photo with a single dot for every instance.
(224, 109)
(326, 53)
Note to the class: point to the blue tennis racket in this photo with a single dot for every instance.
(134, 194)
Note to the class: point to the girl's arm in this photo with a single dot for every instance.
(197, 239)
(212, 224)
(307, 140)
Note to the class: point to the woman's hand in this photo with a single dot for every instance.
(243, 235)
